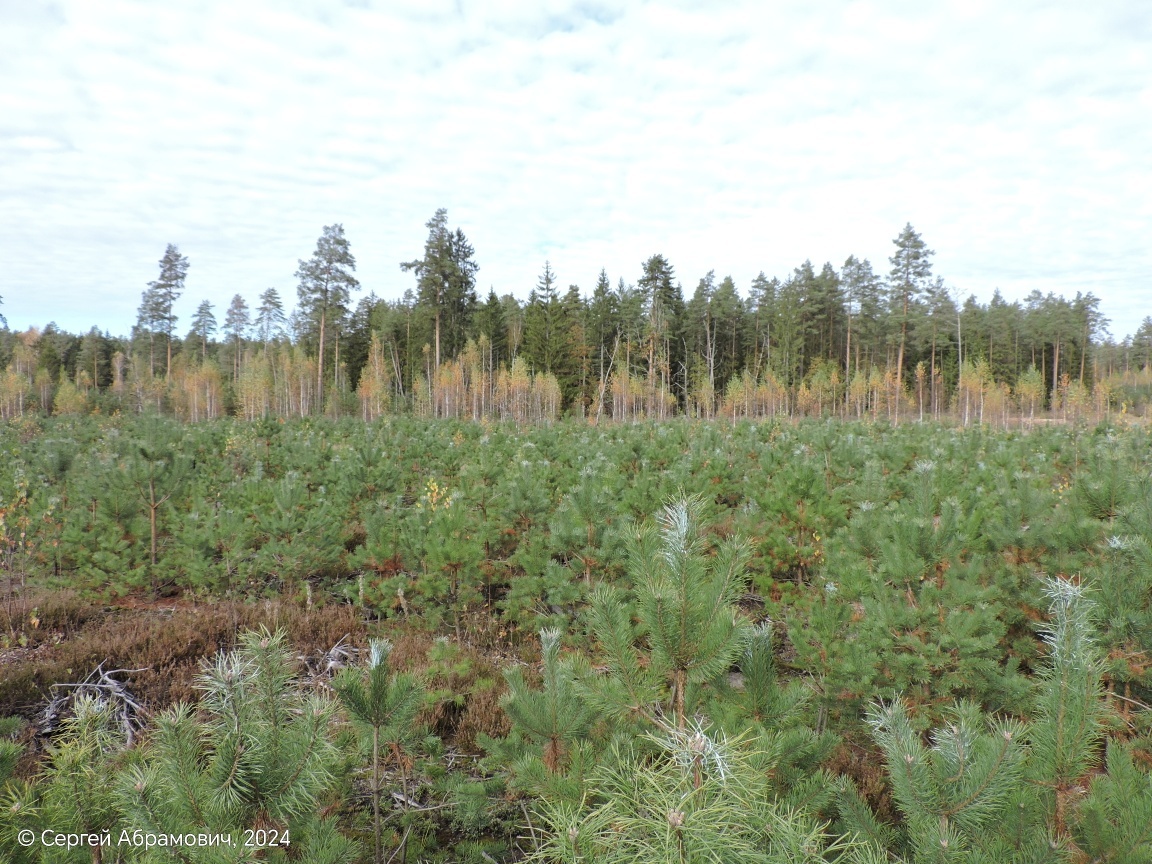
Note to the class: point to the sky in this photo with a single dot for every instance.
(735, 136)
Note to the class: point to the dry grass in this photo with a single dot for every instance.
(471, 678)
(164, 642)
(864, 765)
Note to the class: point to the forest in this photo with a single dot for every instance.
(836, 567)
(414, 639)
(854, 342)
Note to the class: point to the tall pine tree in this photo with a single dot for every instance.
(325, 287)
(907, 282)
(446, 284)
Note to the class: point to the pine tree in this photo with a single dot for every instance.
(685, 605)
(258, 754)
(162, 295)
(78, 790)
(236, 324)
(385, 705)
(955, 792)
(326, 283)
(270, 318)
(977, 793)
(203, 326)
(18, 810)
(157, 469)
(700, 798)
(911, 271)
(663, 343)
(1069, 713)
(581, 529)
(1114, 822)
(556, 717)
(446, 284)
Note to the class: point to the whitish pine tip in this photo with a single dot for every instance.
(379, 649)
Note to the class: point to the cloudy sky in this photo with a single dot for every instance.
(736, 136)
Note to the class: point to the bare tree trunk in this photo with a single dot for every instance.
(320, 360)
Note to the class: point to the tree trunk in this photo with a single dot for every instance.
(376, 792)
(679, 685)
(320, 362)
(900, 358)
(152, 505)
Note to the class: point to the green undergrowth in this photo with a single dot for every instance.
(832, 601)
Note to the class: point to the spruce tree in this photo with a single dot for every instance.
(542, 324)
(491, 324)
(604, 331)
(700, 335)
(761, 306)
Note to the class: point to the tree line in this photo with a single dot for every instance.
(852, 341)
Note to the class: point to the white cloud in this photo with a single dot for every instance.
(734, 136)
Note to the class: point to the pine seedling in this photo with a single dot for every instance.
(554, 717)
(1114, 823)
(157, 470)
(774, 712)
(18, 806)
(953, 792)
(385, 705)
(700, 799)
(580, 530)
(258, 755)
(78, 789)
(297, 533)
(1068, 727)
(685, 602)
